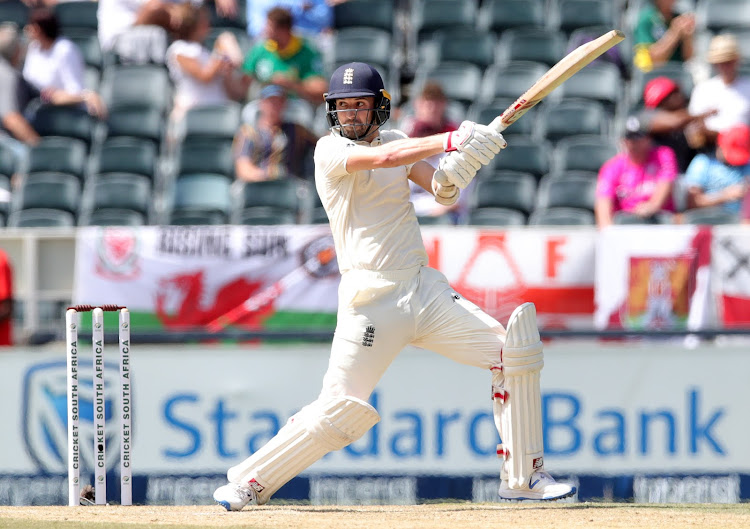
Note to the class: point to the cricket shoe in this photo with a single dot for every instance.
(542, 487)
(234, 497)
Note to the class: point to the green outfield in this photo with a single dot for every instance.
(432, 516)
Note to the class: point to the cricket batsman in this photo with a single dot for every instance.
(389, 298)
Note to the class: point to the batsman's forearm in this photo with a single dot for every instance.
(408, 151)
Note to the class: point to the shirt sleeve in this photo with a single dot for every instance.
(71, 67)
(606, 182)
(8, 98)
(643, 32)
(694, 176)
(667, 164)
(331, 155)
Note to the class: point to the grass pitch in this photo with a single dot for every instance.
(432, 516)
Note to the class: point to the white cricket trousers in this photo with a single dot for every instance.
(382, 312)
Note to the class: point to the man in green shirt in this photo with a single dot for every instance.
(287, 60)
(662, 35)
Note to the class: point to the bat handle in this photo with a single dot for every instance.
(497, 124)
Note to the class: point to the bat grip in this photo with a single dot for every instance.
(497, 124)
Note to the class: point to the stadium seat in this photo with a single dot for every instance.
(509, 192)
(434, 15)
(70, 121)
(583, 153)
(137, 122)
(561, 217)
(87, 42)
(459, 45)
(569, 192)
(531, 44)
(197, 218)
(363, 44)
(145, 85)
(709, 216)
(486, 112)
(197, 196)
(369, 13)
(461, 81)
(206, 156)
(499, 15)
(50, 191)
(40, 218)
(318, 216)
(126, 155)
(282, 194)
(496, 217)
(59, 154)
(571, 117)
(213, 122)
(722, 15)
(113, 217)
(574, 14)
(119, 191)
(527, 155)
(264, 216)
(14, 11)
(599, 81)
(510, 80)
(435, 220)
(77, 15)
(624, 217)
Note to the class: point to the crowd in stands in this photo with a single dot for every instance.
(215, 99)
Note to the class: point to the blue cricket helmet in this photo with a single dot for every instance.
(357, 79)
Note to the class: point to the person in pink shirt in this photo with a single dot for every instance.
(637, 181)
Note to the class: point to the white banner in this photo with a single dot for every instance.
(186, 276)
(607, 410)
(731, 274)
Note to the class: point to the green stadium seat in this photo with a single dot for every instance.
(486, 112)
(363, 44)
(722, 15)
(711, 216)
(119, 191)
(79, 14)
(510, 80)
(584, 153)
(199, 196)
(600, 81)
(14, 11)
(265, 216)
(461, 81)
(572, 192)
(41, 218)
(571, 117)
(113, 217)
(203, 155)
(574, 14)
(561, 217)
(459, 45)
(87, 42)
(429, 16)
(138, 122)
(532, 44)
(50, 191)
(527, 155)
(213, 122)
(369, 13)
(70, 121)
(145, 85)
(509, 192)
(496, 217)
(126, 155)
(59, 154)
(499, 15)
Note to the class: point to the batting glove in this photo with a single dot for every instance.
(445, 195)
(455, 169)
(479, 142)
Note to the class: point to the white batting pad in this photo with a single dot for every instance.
(319, 428)
(517, 398)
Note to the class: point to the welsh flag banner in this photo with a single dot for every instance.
(654, 277)
(281, 277)
(181, 277)
(731, 263)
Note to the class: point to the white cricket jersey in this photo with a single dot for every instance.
(373, 223)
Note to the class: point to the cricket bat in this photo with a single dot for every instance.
(557, 75)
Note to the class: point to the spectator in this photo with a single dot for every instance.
(137, 30)
(720, 179)
(662, 35)
(727, 93)
(54, 65)
(16, 132)
(429, 113)
(287, 60)
(430, 118)
(202, 77)
(272, 148)
(6, 300)
(637, 181)
(670, 123)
